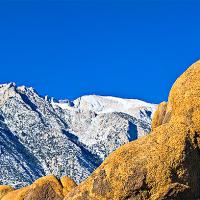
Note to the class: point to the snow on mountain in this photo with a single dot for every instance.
(105, 104)
(18, 165)
(39, 135)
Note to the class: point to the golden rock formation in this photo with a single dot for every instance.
(159, 115)
(45, 188)
(163, 165)
(68, 184)
(4, 189)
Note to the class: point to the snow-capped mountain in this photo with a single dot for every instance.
(39, 135)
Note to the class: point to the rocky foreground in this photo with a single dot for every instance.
(163, 165)
(46, 188)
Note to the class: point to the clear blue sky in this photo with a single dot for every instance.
(130, 49)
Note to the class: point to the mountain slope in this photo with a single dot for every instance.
(18, 165)
(64, 137)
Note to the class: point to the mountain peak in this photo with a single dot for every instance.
(107, 104)
(5, 86)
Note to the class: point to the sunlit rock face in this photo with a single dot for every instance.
(41, 136)
(45, 188)
(162, 165)
(159, 116)
(5, 189)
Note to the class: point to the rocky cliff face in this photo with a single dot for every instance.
(41, 136)
(163, 165)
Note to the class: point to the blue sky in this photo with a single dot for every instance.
(130, 49)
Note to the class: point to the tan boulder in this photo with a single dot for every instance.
(45, 188)
(163, 165)
(159, 116)
(4, 189)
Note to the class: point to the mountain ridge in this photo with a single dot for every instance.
(81, 136)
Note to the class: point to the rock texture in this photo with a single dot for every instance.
(159, 116)
(4, 189)
(41, 136)
(68, 184)
(45, 188)
(163, 165)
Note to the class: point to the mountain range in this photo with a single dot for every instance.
(40, 135)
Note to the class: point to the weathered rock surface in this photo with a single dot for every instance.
(159, 115)
(4, 189)
(162, 165)
(45, 188)
(68, 184)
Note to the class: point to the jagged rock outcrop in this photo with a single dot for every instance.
(163, 165)
(45, 188)
(41, 136)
